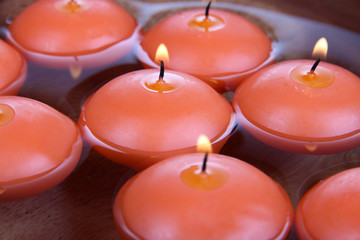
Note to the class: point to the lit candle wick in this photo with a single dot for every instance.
(162, 70)
(203, 169)
(315, 65)
(207, 9)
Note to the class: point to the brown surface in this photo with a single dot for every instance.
(80, 207)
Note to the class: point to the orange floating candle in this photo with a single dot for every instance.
(300, 107)
(330, 209)
(219, 47)
(63, 33)
(39, 147)
(140, 118)
(221, 198)
(13, 70)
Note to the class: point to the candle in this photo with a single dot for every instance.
(217, 46)
(330, 209)
(140, 118)
(13, 70)
(300, 107)
(179, 198)
(68, 33)
(39, 147)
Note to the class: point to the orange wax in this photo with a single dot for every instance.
(13, 70)
(288, 107)
(65, 28)
(236, 201)
(222, 49)
(39, 147)
(137, 120)
(330, 209)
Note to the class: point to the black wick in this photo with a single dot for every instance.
(162, 70)
(203, 169)
(207, 9)
(315, 65)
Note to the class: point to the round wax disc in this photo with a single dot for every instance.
(141, 126)
(39, 147)
(330, 209)
(13, 70)
(222, 56)
(65, 27)
(294, 116)
(157, 204)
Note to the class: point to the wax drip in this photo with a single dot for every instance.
(315, 65)
(207, 9)
(203, 169)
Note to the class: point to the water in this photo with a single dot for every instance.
(293, 38)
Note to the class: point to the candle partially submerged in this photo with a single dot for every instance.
(13, 70)
(222, 48)
(140, 118)
(290, 107)
(178, 199)
(132, 121)
(62, 33)
(39, 147)
(330, 209)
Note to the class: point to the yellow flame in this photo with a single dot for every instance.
(203, 144)
(320, 49)
(162, 53)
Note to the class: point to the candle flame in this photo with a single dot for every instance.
(203, 144)
(162, 53)
(320, 49)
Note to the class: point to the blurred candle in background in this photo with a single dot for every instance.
(13, 69)
(68, 33)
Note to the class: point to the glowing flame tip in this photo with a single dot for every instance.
(204, 144)
(162, 53)
(320, 49)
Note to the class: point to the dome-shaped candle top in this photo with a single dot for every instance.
(39, 147)
(137, 119)
(13, 70)
(330, 209)
(63, 33)
(221, 48)
(303, 106)
(176, 199)
(282, 108)
(71, 27)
